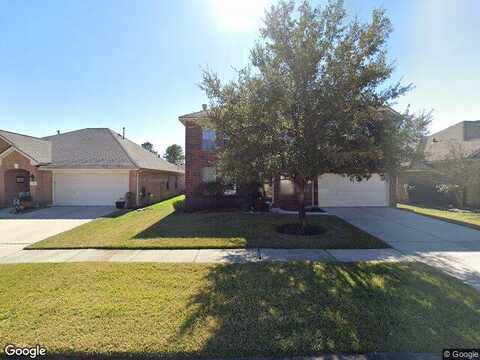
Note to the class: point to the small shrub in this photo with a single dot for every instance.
(210, 189)
(179, 205)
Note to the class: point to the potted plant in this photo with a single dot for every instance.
(120, 204)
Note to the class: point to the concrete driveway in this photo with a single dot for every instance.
(452, 248)
(18, 231)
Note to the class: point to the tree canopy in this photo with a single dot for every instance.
(315, 99)
(148, 146)
(174, 154)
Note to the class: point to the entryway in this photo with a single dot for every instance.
(16, 181)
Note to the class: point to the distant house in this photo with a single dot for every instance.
(202, 145)
(424, 175)
(94, 166)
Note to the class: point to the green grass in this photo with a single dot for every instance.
(160, 227)
(235, 310)
(468, 219)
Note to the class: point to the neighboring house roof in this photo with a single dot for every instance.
(92, 148)
(88, 149)
(102, 148)
(36, 149)
(145, 159)
(463, 136)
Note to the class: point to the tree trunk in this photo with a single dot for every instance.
(302, 214)
(461, 197)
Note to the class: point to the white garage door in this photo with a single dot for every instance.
(91, 189)
(335, 190)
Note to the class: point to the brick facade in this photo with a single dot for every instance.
(195, 159)
(41, 192)
(154, 186)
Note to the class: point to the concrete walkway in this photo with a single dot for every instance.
(203, 255)
(452, 248)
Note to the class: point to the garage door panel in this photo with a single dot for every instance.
(90, 189)
(336, 190)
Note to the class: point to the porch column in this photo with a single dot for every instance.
(35, 187)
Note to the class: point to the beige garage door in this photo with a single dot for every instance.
(335, 190)
(89, 189)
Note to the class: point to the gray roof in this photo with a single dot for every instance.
(145, 159)
(37, 149)
(88, 149)
(92, 148)
(102, 148)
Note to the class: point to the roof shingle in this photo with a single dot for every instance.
(36, 148)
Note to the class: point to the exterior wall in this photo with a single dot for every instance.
(41, 193)
(431, 178)
(155, 185)
(195, 160)
(133, 187)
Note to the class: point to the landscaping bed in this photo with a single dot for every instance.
(160, 227)
(263, 309)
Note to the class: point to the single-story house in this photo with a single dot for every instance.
(328, 190)
(438, 154)
(88, 167)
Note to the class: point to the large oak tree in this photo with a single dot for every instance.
(314, 100)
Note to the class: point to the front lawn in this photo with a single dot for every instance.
(160, 227)
(469, 219)
(235, 310)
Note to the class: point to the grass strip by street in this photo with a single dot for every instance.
(468, 219)
(160, 227)
(274, 309)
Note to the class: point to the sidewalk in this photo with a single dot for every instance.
(204, 255)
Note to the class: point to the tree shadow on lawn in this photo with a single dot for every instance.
(258, 230)
(304, 308)
(307, 308)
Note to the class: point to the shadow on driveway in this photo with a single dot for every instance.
(61, 213)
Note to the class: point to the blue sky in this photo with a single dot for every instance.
(110, 63)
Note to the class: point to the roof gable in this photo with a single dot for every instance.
(144, 159)
(39, 150)
(4, 145)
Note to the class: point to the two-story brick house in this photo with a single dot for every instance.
(202, 145)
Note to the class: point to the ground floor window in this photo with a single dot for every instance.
(208, 174)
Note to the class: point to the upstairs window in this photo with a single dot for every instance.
(209, 140)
